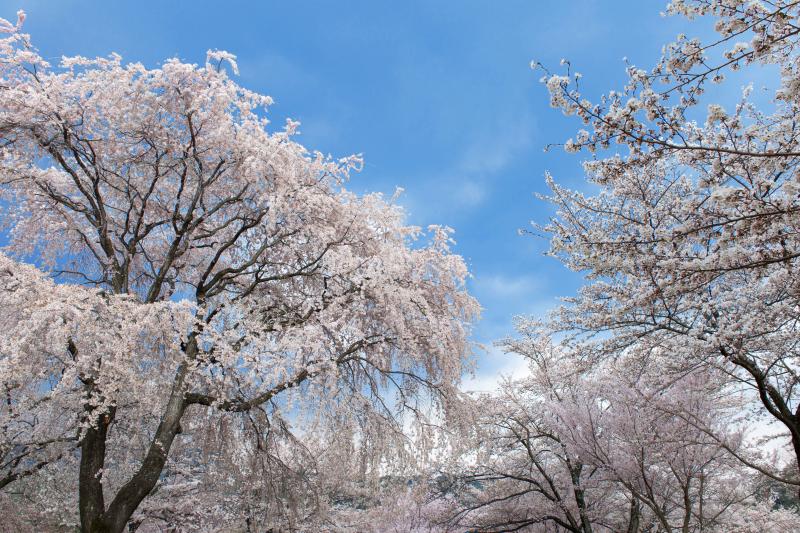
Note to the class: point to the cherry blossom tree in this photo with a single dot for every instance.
(521, 475)
(647, 436)
(690, 242)
(582, 446)
(406, 509)
(219, 296)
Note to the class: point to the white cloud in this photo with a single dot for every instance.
(492, 150)
(500, 286)
(493, 367)
(487, 155)
(468, 181)
(470, 194)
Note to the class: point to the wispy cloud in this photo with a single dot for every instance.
(470, 194)
(494, 148)
(470, 180)
(504, 286)
(486, 156)
(495, 367)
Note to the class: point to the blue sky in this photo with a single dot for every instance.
(438, 96)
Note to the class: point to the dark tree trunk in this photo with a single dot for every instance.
(634, 516)
(580, 499)
(90, 477)
(95, 518)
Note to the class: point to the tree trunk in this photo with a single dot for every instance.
(634, 516)
(94, 517)
(90, 477)
(580, 500)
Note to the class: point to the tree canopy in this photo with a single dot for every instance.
(203, 328)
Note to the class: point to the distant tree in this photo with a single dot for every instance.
(602, 447)
(521, 476)
(691, 241)
(218, 289)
